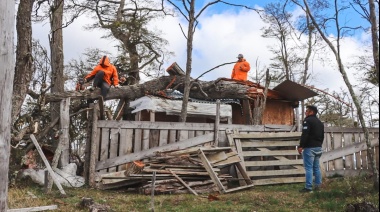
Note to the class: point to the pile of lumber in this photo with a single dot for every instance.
(176, 172)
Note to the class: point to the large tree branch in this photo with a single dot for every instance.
(219, 89)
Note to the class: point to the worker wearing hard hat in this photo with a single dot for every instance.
(241, 69)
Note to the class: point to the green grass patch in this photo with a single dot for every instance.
(336, 193)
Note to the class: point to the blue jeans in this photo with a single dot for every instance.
(311, 158)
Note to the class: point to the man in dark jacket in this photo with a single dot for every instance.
(311, 148)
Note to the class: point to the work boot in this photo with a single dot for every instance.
(306, 190)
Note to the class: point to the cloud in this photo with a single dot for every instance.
(219, 38)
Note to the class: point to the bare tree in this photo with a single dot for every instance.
(142, 50)
(336, 49)
(7, 13)
(24, 65)
(188, 11)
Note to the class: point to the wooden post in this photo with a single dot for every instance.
(64, 137)
(63, 143)
(52, 174)
(7, 18)
(217, 122)
(152, 192)
(87, 152)
(94, 150)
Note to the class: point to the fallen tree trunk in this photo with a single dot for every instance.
(221, 88)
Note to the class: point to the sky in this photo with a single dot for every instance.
(223, 33)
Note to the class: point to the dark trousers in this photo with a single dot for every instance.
(100, 83)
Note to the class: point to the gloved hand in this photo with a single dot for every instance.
(117, 86)
(300, 150)
(85, 80)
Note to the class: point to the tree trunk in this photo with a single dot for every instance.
(375, 38)
(352, 93)
(189, 61)
(7, 13)
(56, 46)
(24, 65)
(219, 89)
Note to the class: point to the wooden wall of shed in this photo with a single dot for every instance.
(278, 112)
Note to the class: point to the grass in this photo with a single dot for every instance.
(336, 193)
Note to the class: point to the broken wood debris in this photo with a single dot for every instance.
(177, 172)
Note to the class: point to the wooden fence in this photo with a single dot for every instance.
(119, 142)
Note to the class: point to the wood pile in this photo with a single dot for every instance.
(176, 172)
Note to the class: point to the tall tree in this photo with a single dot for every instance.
(336, 49)
(279, 28)
(24, 65)
(187, 10)
(7, 13)
(374, 33)
(141, 48)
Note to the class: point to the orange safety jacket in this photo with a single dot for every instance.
(240, 71)
(109, 70)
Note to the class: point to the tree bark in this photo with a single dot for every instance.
(375, 38)
(24, 65)
(219, 89)
(7, 13)
(56, 47)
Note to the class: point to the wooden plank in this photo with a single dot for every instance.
(95, 134)
(349, 160)
(214, 158)
(210, 171)
(288, 135)
(145, 140)
(270, 153)
(191, 133)
(272, 181)
(178, 172)
(65, 126)
(358, 159)
(230, 160)
(245, 143)
(199, 132)
(172, 136)
(183, 182)
(274, 163)
(163, 137)
(238, 188)
(138, 141)
(46, 162)
(183, 135)
(348, 130)
(104, 146)
(125, 146)
(337, 144)
(151, 152)
(275, 172)
(338, 153)
(329, 148)
(188, 126)
(363, 153)
(154, 138)
(40, 208)
(113, 148)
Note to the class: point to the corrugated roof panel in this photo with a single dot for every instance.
(294, 91)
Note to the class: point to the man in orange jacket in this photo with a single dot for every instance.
(241, 68)
(102, 75)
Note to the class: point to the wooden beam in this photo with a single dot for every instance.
(339, 153)
(41, 208)
(64, 127)
(94, 146)
(184, 183)
(151, 152)
(51, 172)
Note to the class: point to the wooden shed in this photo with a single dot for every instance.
(279, 107)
